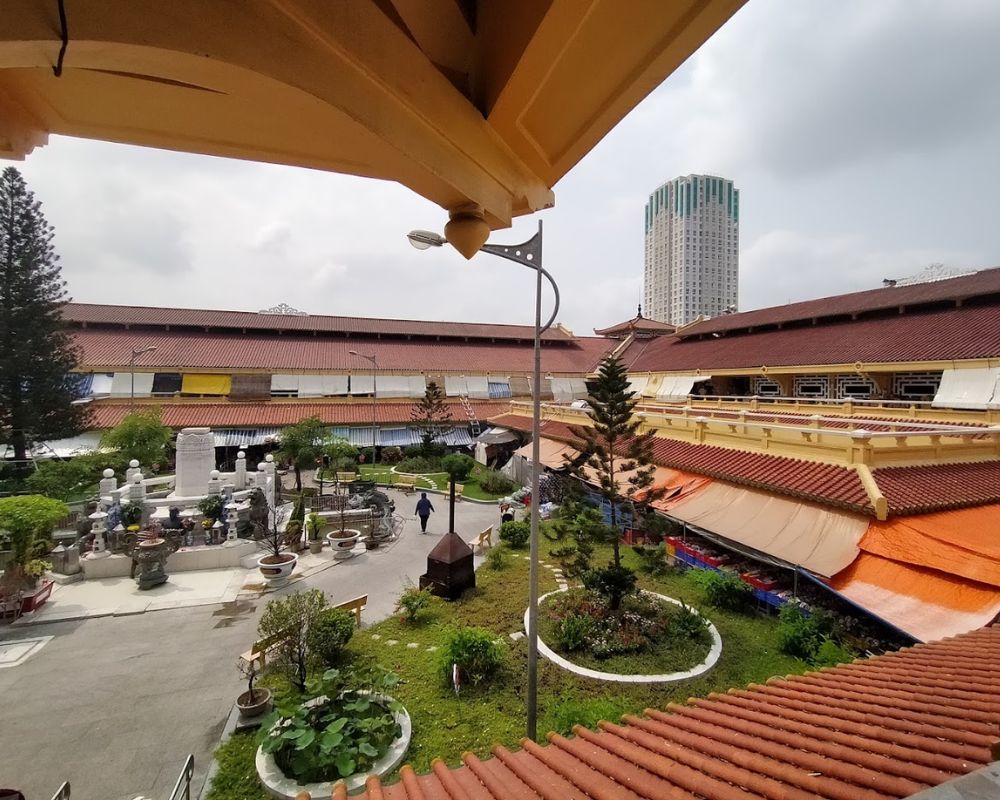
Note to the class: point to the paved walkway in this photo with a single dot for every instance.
(114, 704)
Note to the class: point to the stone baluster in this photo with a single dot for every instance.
(109, 484)
(214, 482)
(132, 471)
(100, 549)
(240, 475)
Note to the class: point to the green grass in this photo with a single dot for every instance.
(237, 776)
(384, 476)
(446, 726)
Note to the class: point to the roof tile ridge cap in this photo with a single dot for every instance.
(495, 785)
(408, 777)
(448, 781)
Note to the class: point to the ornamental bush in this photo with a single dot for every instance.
(329, 633)
(475, 651)
(458, 466)
(515, 534)
(391, 455)
(572, 632)
(493, 482)
(412, 601)
(496, 557)
(723, 590)
(612, 583)
(418, 465)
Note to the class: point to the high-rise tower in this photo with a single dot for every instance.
(692, 249)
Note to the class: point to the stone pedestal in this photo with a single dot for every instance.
(450, 568)
(240, 474)
(195, 461)
(100, 549)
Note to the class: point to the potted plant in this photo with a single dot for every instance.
(276, 564)
(343, 540)
(253, 702)
(212, 508)
(313, 524)
(29, 521)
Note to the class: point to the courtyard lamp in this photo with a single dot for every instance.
(528, 254)
(136, 352)
(374, 364)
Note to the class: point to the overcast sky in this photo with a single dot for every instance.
(862, 135)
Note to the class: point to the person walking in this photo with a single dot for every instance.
(424, 510)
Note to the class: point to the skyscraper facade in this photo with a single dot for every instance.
(692, 249)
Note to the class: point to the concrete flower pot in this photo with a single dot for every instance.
(315, 546)
(278, 785)
(276, 569)
(257, 706)
(341, 544)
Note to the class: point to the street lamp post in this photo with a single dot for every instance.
(136, 352)
(374, 363)
(528, 254)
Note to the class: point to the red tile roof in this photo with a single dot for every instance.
(935, 487)
(94, 314)
(269, 414)
(828, 484)
(984, 282)
(883, 728)
(640, 324)
(972, 331)
(111, 349)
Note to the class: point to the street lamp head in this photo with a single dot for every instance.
(354, 352)
(424, 239)
(138, 351)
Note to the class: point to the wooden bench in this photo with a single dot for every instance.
(258, 652)
(355, 605)
(482, 542)
(262, 647)
(459, 491)
(346, 477)
(407, 483)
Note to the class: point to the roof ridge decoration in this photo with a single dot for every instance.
(284, 309)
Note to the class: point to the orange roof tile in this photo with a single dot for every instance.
(883, 728)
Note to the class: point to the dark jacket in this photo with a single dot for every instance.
(424, 507)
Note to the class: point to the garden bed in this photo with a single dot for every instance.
(650, 639)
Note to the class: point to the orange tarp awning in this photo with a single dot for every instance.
(551, 453)
(925, 603)
(963, 542)
(678, 486)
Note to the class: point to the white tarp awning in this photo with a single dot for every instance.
(418, 385)
(362, 384)
(392, 386)
(676, 388)
(969, 388)
(497, 436)
(334, 385)
(284, 384)
(565, 390)
(478, 386)
(310, 385)
(551, 453)
(244, 437)
(455, 385)
(121, 384)
(101, 384)
(638, 384)
(821, 540)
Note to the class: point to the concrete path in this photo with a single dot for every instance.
(114, 704)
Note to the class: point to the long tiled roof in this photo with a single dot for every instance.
(112, 349)
(984, 282)
(276, 413)
(94, 314)
(933, 487)
(883, 728)
(828, 484)
(971, 331)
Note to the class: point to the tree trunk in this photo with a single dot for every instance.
(298, 479)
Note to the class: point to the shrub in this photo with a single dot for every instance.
(418, 464)
(458, 466)
(802, 635)
(343, 733)
(496, 557)
(328, 634)
(572, 632)
(571, 710)
(515, 534)
(723, 590)
(652, 560)
(28, 521)
(413, 451)
(476, 652)
(611, 582)
(830, 654)
(65, 479)
(493, 482)
(688, 623)
(413, 601)
(292, 616)
(391, 455)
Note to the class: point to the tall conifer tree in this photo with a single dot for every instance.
(36, 353)
(431, 415)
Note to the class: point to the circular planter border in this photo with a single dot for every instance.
(277, 784)
(715, 651)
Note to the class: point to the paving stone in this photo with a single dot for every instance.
(391, 642)
(432, 648)
(517, 635)
(412, 646)
(376, 637)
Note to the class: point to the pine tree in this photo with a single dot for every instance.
(613, 446)
(36, 353)
(431, 416)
